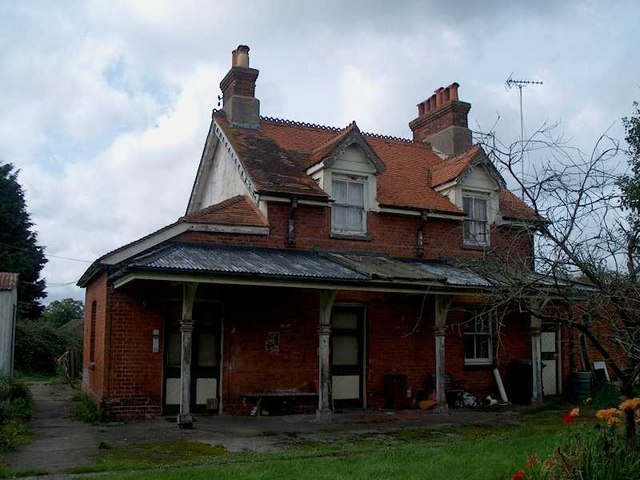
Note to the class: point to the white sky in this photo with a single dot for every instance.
(105, 105)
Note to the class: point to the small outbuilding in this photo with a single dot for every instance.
(8, 309)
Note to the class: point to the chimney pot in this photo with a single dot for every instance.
(453, 91)
(442, 122)
(439, 96)
(240, 57)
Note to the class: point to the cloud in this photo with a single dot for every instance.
(106, 103)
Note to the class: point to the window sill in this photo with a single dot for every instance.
(362, 237)
(478, 366)
(475, 246)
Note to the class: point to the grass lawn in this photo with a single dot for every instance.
(463, 452)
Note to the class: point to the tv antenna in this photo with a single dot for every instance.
(520, 84)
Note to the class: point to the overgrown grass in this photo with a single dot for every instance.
(15, 413)
(462, 452)
(86, 410)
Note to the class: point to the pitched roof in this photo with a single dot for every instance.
(451, 168)
(235, 211)
(511, 207)
(238, 210)
(8, 280)
(277, 155)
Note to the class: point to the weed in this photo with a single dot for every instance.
(607, 395)
(86, 410)
(15, 412)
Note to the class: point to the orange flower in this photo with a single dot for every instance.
(613, 421)
(631, 404)
(607, 413)
(533, 460)
(519, 475)
(575, 412)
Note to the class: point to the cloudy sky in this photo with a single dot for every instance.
(105, 105)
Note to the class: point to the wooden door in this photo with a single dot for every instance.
(347, 356)
(550, 357)
(205, 358)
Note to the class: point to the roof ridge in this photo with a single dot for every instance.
(389, 137)
(227, 202)
(343, 132)
(296, 123)
(460, 155)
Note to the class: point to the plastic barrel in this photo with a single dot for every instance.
(581, 383)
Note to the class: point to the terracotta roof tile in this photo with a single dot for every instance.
(451, 168)
(238, 210)
(8, 280)
(511, 207)
(277, 155)
(324, 149)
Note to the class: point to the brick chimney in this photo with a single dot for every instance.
(442, 122)
(238, 91)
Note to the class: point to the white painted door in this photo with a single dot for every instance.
(549, 351)
(346, 356)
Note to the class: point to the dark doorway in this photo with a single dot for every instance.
(347, 356)
(205, 358)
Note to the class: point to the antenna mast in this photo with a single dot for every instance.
(511, 83)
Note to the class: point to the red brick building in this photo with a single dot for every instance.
(315, 262)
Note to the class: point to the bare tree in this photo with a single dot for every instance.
(585, 272)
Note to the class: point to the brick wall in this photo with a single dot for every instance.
(394, 235)
(250, 315)
(135, 376)
(93, 373)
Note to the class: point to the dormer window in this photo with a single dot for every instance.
(348, 213)
(476, 221)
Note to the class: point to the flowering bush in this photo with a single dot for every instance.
(600, 452)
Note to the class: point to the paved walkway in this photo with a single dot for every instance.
(59, 443)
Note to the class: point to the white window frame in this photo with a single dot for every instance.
(348, 179)
(474, 224)
(473, 328)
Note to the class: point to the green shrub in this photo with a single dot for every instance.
(15, 412)
(86, 410)
(606, 395)
(592, 451)
(39, 343)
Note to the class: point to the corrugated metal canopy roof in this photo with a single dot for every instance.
(458, 276)
(295, 264)
(247, 261)
(384, 268)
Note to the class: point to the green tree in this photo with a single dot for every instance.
(19, 249)
(62, 311)
(630, 183)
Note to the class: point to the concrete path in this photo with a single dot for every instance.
(59, 442)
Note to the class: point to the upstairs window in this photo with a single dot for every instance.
(348, 214)
(478, 346)
(476, 222)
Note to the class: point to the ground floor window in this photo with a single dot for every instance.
(478, 348)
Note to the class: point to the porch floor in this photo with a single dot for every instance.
(272, 433)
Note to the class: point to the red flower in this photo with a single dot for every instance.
(519, 475)
(533, 460)
(568, 418)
